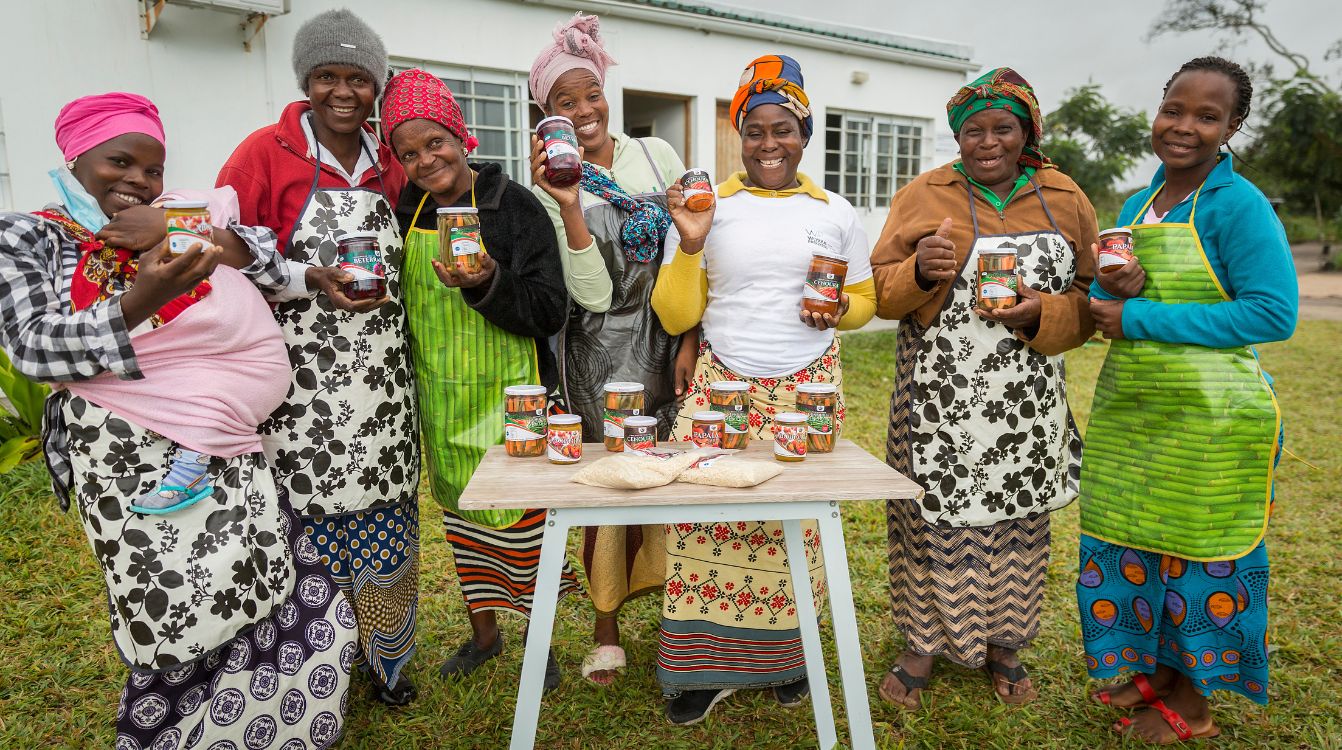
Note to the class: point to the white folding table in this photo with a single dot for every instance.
(811, 489)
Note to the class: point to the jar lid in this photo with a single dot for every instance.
(565, 419)
(790, 417)
(817, 388)
(640, 421)
(524, 390)
(1117, 230)
(624, 387)
(831, 256)
(998, 251)
(729, 385)
(556, 118)
(458, 210)
(185, 204)
(709, 416)
(358, 236)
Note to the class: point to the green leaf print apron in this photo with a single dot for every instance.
(1180, 448)
(462, 364)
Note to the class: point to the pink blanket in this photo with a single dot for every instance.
(211, 376)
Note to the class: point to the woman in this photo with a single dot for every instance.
(1178, 590)
(739, 268)
(232, 631)
(979, 413)
(610, 229)
(501, 316)
(345, 443)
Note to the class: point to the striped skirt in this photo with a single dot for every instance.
(497, 567)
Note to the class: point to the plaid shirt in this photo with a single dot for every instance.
(47, 342)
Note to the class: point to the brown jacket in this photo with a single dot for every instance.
(918, 210)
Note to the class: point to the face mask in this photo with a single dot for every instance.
(78, 203)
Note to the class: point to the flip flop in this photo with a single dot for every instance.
(1182, 732)
(1014, 676)
(602, 658)
(910, 682)
(1140, 682)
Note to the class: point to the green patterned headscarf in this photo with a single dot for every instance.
(1002, 88)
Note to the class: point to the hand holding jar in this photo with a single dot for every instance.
(692, 225)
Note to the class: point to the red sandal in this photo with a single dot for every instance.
(1143, 686)
(1182, 732)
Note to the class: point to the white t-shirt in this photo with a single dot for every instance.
(756, 256)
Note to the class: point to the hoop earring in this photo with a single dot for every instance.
(70, 165)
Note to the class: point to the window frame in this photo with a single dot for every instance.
(853, 169)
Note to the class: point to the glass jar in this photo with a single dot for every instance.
(640, 434)
(563, 166)
(360, 256)
(790, 436)
(698, 187)
(824, 283)
(1115, 249)
(524, 426)
(623, 400)
(732, 398)
(819, 401)
(188, 225)
(706, 429)
(997, 278)
(564, 439)
(459, 242)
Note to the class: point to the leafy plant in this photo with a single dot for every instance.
(21, 424)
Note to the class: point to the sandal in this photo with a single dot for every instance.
(1014, 676)
(910, 682)
(602, 658)
(1182, 732)
(1138, 681)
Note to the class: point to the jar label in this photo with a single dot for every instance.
(564, 446)
(640, 439)
(465, 240)
(737, 420)
(612, 422)
(524, 425)
(822, 286)
(363, 264)
(790, 440)
(997, 284)
(819, 417)
(706, 434)
(1115, 250)
(560, 142)
(187, 230)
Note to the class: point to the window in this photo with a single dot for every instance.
(868, 157)
(494, 104)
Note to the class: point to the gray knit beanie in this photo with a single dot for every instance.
(339, 37)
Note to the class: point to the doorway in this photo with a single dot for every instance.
(666, 116)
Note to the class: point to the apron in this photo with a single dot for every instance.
(1182, 437)
(462, 364)
(178, 585)
(345, 439)
(627, 342)
(992, 438)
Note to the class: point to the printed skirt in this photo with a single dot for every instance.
(729, 617)
(497, 567)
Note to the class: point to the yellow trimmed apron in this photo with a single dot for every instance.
(462, 364)
(1182, 438)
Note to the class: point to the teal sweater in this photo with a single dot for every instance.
(1247, 249)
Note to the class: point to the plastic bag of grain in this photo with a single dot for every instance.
(627, 471)
(722, 469)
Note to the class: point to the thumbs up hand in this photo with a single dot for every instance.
(936, 257)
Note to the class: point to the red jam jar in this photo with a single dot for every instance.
(360, 256)
(563, 166)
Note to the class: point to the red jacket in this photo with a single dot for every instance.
(272, 172)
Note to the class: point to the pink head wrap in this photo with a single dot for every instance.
(577, 44)
(91, 120)
(419, 95)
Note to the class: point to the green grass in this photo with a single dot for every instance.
(60, 676)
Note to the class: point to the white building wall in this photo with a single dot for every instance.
(212, 93)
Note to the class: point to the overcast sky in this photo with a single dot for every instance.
(1060, 44)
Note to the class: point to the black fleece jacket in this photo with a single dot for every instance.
(527, 295)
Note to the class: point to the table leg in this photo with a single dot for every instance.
(845, 631)
(539, 630)
(810, 634)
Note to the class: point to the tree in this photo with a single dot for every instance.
(1093, 141)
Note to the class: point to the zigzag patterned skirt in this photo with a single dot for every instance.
(955, 591)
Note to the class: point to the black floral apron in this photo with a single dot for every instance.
(346, 438)
(991, 436)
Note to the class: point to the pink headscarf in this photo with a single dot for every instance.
(91, 120)
(577, 44)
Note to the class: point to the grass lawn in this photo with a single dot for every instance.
(60, 675)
